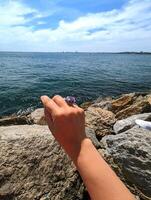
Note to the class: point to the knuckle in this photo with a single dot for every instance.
(69, 113)
(60, 115)
(80, 111)
(72, 113)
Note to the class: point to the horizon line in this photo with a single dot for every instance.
(109, 52)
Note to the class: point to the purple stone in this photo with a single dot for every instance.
(70, 99)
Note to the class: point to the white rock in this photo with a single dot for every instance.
(125, 124)
(143, 124)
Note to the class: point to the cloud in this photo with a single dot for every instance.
(127, 29)
(13, 13)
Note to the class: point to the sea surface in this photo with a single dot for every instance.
(24, 77)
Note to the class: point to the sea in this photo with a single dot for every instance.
(24, 77)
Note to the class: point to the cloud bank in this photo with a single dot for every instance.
(126, 29)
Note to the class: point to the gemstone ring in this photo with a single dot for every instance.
(70, 100)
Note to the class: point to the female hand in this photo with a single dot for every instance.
(67, 123)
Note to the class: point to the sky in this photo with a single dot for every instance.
(75, 25)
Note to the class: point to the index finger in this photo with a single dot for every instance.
(49, 104)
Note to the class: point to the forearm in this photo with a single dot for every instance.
(67, 123)
(100, 180)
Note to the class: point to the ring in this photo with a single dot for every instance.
(70, 100)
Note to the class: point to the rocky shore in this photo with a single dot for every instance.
(34, 167)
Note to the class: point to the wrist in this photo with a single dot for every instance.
(85, 147)
(75, 151)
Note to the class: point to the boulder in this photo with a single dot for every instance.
(100, 120)
(37, 117)
(33, 166)
(149, 98)
(122, 102)
(14, 120)
(85, 105)
(131, 104)
(125, 124)
(129, 153)
(104, 103)
(137, 108)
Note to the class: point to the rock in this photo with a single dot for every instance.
(37, 117)
(104, 103)
(122, 102)
(149, 98)
(33, 166)
(137, 108)
(130, 154)
(131, 104)
(100, 120)
(90, 133)
(124, 106)
(14, 120)
(125, 124)
(85, 105)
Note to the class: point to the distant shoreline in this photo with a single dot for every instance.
(135, 52)
(122, 52)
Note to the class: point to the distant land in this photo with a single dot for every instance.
(141, 52)
(122, 52)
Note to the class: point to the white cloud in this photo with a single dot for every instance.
(13, 13)
(127, 29)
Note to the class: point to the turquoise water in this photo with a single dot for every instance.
(24, 77)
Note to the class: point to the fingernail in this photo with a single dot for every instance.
(43, 98)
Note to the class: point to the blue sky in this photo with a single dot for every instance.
(69, 10)
(75, 25)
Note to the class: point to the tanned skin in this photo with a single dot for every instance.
(67, 124)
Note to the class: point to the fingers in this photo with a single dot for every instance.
(59, 101)
(53, 105)
(49, 104)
